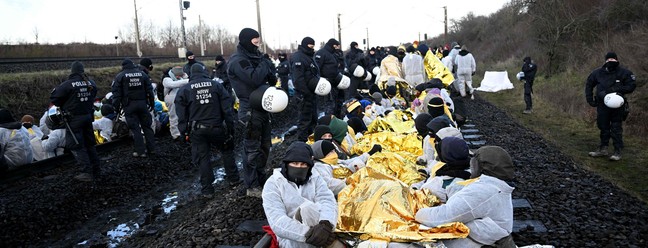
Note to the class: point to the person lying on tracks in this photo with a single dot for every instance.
(34, 131)
(300, 208)
(484, 204)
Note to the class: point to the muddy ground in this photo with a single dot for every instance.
(154, 202)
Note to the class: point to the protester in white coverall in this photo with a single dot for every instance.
(326, 159)
(466, 68)
(33, 130)
(454, 166)
(51, 146)
(485, 205)
(106, 122)
(14, 140)
(413, 68)
(300, 208)
(175, 80)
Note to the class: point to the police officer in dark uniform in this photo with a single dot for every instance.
(75, 97)
(205, 107)
(306, 75)
(132, 91)
(353, 58)
(329, 69)
(610, 78)
(283, 71)
(191, 59)
(248, 71)
(529, 69)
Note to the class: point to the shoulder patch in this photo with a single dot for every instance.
(245, 63)
(633, 77)
(298, 63)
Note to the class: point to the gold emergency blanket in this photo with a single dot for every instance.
(401, 166)
(396, 121)
(434, 68)
(390, 67)
(394, 142)
(377, 206)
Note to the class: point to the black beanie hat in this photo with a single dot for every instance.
(454, 149)
(127, 62)
(332, 42)
(611, 55)
(421, 122)
(146, 62)
(320, 130)
(220, 58)
(299, 152)
(321, 148)
(197, 68)
(307, 41)
(324, 120)
(245, 39)
(354, 44)
(357, 124)
(77, 67)
(410, 49)
(391, 90)
(422, 48)
(5, 116)
(437, 124)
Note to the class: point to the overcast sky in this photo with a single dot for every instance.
(283, 21)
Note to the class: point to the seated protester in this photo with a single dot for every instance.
(326, 160)
(323, 132)
(49, 146)
(420, 123)
(33, 130)
(454, 166)
(15, 141)
(354, 108)
(394, 101)
(161, 119)
(103, 127)
(436, 107)
(369, 114)
(300, 208)
(357, 125)
(381, 105)
(485, 205)
(429, 90)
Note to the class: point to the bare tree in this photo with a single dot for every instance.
(170, 36)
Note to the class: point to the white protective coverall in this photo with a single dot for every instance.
(485, 206)
(34, 132)
(171, 86)
(18, 149)
(105, 127)
(414, 69)
(466, 66)
(43, 126)
(50, 147)
(283, 199)
(326, 172)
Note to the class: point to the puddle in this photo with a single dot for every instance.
(170, 202)
(120, 233)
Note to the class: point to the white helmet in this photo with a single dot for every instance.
(269, 99)
(376, 70)
(368, 77)
(344, 83)
(520, 75)
(358, 71)
(613, 100)
(323, 87)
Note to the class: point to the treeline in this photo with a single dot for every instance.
(567, 39)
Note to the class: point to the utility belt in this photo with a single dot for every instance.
(196, 125)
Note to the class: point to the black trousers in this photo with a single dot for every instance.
(336, 98)
(610, 122)
(528, 90)
(307, 116)
(202, 140)
(257, 149)
(138, 119)
(84, 151)
(352, 91)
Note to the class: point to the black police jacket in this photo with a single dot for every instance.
(529, 70)
(305, 72)
(75, 95)
(606, 81)
(328, 64)
(131, 84)
(203, 101)
(247, 71)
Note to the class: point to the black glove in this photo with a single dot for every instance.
(376, 148)
(321, 234)
(272, 79)
(592, 103)
(45, 137)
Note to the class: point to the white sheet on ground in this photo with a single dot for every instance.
(495, 81)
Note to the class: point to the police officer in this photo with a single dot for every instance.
(329, 69)
(283, 71)
(132, 91)
(610, 78)
(75, 97)
(354, 60)
(306, 75)
(191, 59)
(529, 68)
(205, 107)
(248, 71)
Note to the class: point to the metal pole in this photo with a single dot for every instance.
(339, 29)
(367, 39)
(202, 41)
(137, 40)
(445, 22)
(117, 45)
(182, 27)
(259, 24)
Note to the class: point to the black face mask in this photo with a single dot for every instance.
(611, 65)
(297, 175)
(28, 125)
